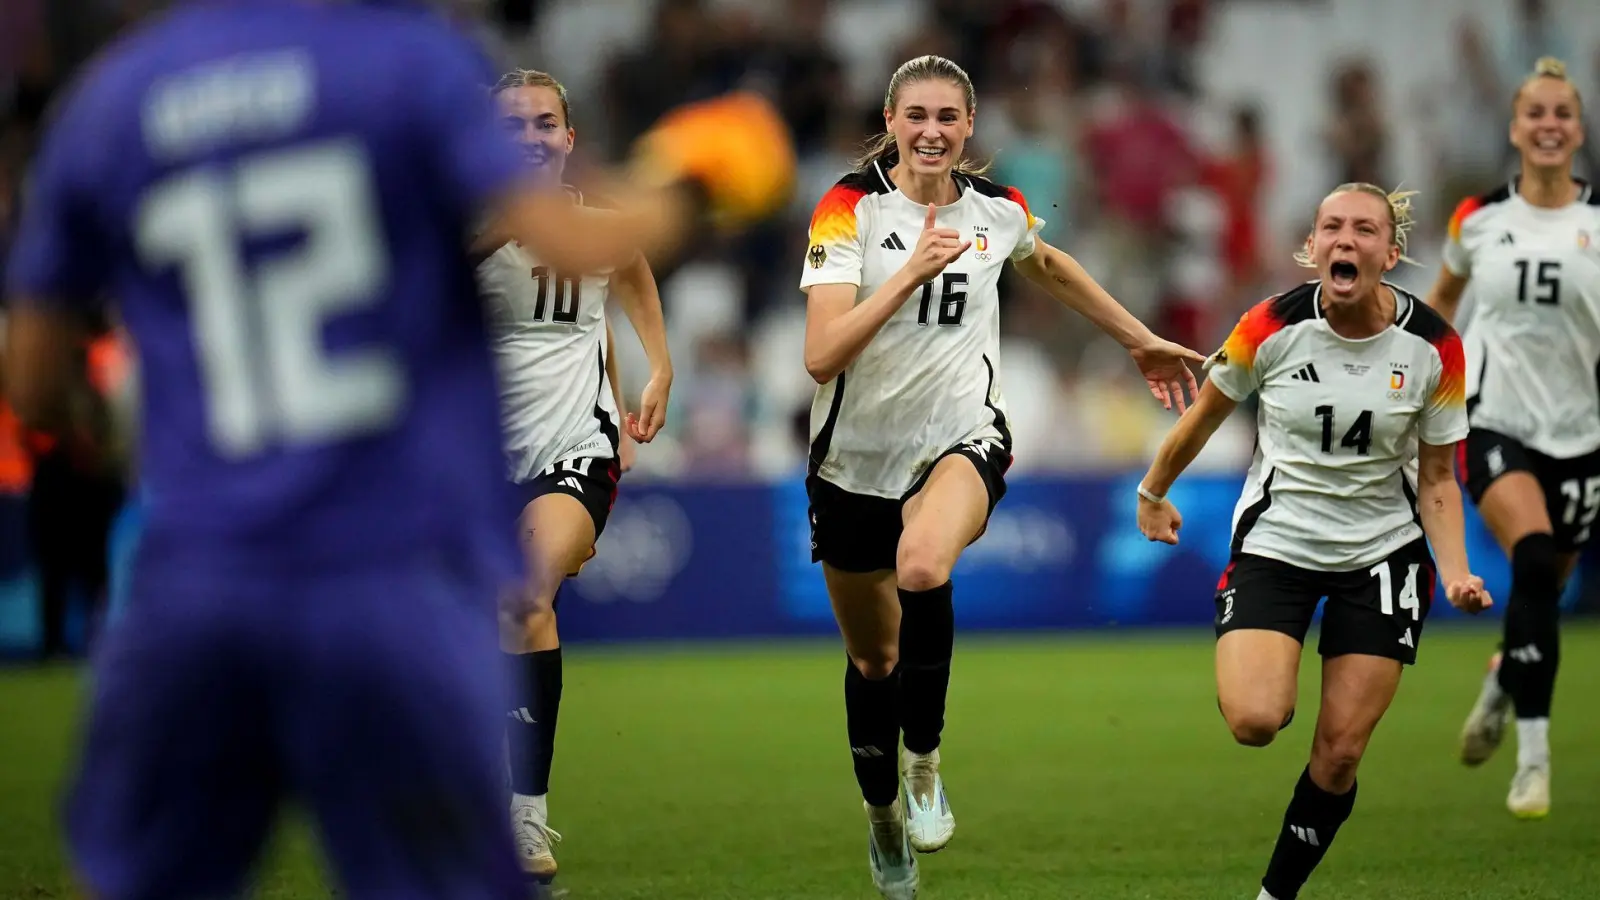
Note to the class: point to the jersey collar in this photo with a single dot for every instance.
(963, 184)
(1404, 304)
(1585, 190)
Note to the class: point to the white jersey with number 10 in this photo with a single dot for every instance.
(549, 335)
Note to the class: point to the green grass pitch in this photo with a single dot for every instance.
(1092, 767)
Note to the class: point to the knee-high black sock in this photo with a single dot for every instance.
(874, 728)
(927, 641)
(531, 728)
(1309, 826)
(1533, 626)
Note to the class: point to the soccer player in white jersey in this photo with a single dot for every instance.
(560, 400)
(910, 441)
(1360, 408)
(1531, 251)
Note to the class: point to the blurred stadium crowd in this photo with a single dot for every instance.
(1176, 147)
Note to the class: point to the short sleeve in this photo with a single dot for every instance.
(473, 157)
(1235, 368)
(1457, 258)
(833, 253)
(61, 254)
(1444, 414)
(1029, 242)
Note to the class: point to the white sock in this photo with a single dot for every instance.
(540, 804)
(1265, 896)
(1533, 743)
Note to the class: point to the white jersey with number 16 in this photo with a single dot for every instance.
(928, 380)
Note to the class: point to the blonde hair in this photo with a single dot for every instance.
(1398, 203)
(915, 71)
(1547, 67)
(534, 78)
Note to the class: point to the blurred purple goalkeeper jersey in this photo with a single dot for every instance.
(276, 196)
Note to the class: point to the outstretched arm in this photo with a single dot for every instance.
(1162, 362)
(1158, 518)
(1439, 506)
(641, 301)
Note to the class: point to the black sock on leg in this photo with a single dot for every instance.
(874, 729)
(1532, 649)
(547, 665)
(531, 725)
(1309, 826)
(522, 722)
(927, 642)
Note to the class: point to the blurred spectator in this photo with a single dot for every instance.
(1139, 155)
(1240, 177)
(1532, 34)
(1356, 134)
(807, 73)
(673, 63)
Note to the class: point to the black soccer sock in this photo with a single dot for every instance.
(531, 729)
(1309, 826)
(1533, 626)
(874, 729)
(927, 641)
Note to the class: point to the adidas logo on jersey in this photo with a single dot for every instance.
(1507, 238)
(1308, 372)
(1406, 639)
(892, 242)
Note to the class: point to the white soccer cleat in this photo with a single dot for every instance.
(1486, 724)
(894, 866)
(929, 822)
(534, 839)
(1530, 792)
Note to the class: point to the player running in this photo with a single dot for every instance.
(311, 607)
(1360, 406)
(559, 405)
(1532, 251)
(909, 438)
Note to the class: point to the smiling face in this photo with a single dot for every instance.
(1352, 244)
(1547, 124)
(931, 123)
(535, 118)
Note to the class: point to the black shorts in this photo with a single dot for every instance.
(1376, 610)
(861, 533)
(592, 481)
(1571, 486)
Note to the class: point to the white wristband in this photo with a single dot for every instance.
(1153, 498)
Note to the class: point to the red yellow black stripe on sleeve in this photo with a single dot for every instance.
(1452, 387)
(1015, 196)
(1255, 326)
(1464, 210)
(834, 221)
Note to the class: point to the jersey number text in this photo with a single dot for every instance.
(1585, 494)
(1408, 591)
(1359, 436)
(1546, 281)
(258, 323)
(567, 294)
(952, 300)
